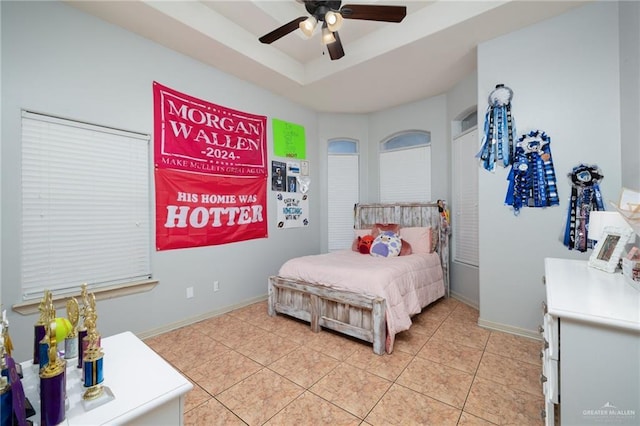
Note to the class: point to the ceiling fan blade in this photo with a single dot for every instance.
(282, 31)
(335, 49)
(371, 12)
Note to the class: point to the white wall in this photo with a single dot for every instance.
(565, 76)
(428, 114)
(371, 129)
(630, 92)
(58, 60)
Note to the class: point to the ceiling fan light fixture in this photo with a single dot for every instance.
(308, 25)
(331, 15)
(333, 20)
(327, 35)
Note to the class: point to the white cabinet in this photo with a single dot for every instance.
(591, 352)
(147, 389)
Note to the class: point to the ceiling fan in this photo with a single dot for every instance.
(331, 15)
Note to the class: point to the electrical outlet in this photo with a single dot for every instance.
(189, 292)
(216, 285)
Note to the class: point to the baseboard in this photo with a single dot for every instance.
(509, 329)
(465, 300)
(193, 320)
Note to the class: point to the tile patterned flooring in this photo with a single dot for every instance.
(251, 369)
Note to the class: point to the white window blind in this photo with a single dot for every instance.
(85, 206)
(343, 195)
(465, 198)
(405, 175)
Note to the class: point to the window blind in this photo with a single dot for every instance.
(85, 206)
(465, 198)
(343, 188)
(405, 175)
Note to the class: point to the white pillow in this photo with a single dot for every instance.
(419, 238)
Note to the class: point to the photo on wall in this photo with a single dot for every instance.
(293, 172)
(278, 176)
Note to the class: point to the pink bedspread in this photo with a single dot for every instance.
(407, 283)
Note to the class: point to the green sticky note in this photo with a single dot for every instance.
(288, 139)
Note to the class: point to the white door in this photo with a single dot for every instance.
(465, 198)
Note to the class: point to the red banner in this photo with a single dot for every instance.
(195, 210)
(198, 136)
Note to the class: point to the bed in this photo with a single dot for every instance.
(349, 297)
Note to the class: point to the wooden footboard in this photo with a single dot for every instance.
(357, 315)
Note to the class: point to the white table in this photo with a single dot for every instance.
(146, 389)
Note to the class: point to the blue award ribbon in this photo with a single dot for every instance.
(585, 198)
(499, 130)
(532, 180)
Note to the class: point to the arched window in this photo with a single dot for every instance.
(405, 167)
(343, 191)
(343, 146)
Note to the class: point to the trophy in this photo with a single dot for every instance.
(71, 341)
(52, 379)
(82, 330)
(6, 399)
(47, 315)
(92, 355)
(3, 359)
(21, 407)
(15, 407)
(39, 329)
(8, 344)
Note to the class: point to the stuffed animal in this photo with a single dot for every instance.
(364, 244)
(387, 244)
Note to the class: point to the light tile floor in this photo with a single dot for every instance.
(251, 369)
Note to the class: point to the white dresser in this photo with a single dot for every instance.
(147, 390)
(591, 354)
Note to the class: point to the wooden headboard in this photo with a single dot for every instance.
(433, 214)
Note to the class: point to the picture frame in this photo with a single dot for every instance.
(608, 251)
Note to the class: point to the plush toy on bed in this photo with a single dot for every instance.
(386, 244)
(364, 244)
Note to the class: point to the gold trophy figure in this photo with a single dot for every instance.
(82, 329)
(3, 363)
(8, 344)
